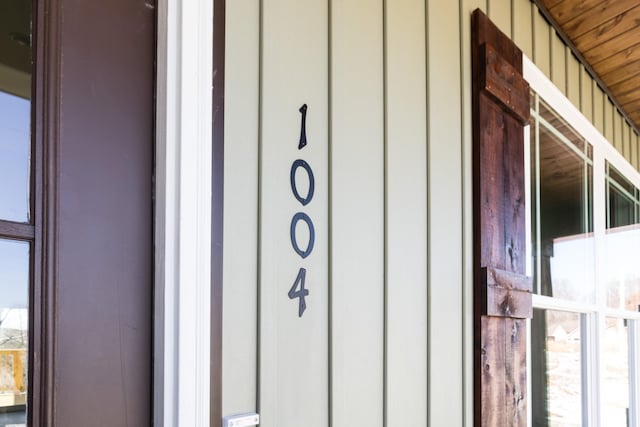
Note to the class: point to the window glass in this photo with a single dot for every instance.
(14, 325)
(15, 147)
(556, 382)
(621, 269)
(615, 390)
(586, 279)
(15, 108)
(15, 196)
(563, 245)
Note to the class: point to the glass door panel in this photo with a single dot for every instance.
(16, 191)
(615, 389)
(556, 358)
(563, 246)
(621, 270)
(14, 330)
(15, 144)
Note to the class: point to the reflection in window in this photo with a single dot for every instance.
(562, 208)
(622, 242)
(15, 206)
(15, 94)
(556, 365)
(15, 147)
(14, 323)
(623, 199)
(615, 389)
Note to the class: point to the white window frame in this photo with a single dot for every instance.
(593, 315)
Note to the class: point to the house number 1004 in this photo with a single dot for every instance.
(298, 289)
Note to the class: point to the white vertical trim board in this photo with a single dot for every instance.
(183, 213)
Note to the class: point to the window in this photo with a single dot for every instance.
(584, 244)
(17, 226)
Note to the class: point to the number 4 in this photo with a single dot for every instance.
(300, 293)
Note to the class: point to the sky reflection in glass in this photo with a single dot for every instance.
(15, 145)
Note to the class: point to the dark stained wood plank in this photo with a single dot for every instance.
(500, 41)
(516, 372)
(602, 11)
(499, 232)
(508, 303)
(492, 196)
(507, 279)
(507, 293)
(514, 197)
(505, 84)
(622, 23)
(493, 372)
(503, 361)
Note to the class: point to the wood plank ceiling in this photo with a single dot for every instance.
(607, 35)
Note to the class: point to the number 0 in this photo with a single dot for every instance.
(294, 187)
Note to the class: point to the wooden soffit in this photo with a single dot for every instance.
(606, 34)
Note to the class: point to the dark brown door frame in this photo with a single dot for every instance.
(91, 303)
(46, 51)
(217, 209)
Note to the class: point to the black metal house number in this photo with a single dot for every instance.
(298, 289)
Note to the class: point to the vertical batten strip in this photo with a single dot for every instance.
(500, 14)
(357, 213)
(445, 218)
(558, 63)
(385, 110)
(628, 133)
(626, 138)
(632, 148)
(406, 234)
(573, 78)
(260, 198)
(608, 120)
(636, 150)
(541, 44)
(333, 332)
(632, 142)
(522, 30)
(598, 107)
(586, 94)
(240, 212)
(617, 130)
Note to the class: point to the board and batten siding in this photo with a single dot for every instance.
(521, 20)
(387, 335)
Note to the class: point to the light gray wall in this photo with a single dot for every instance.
(387, 336)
